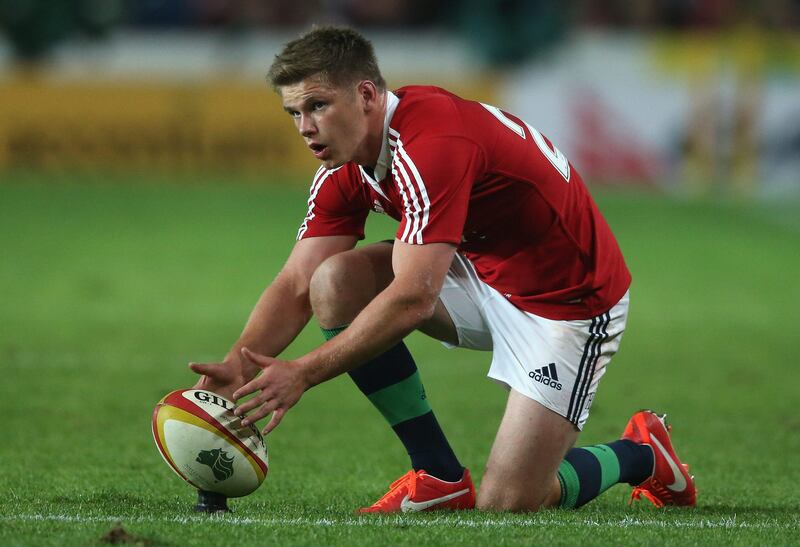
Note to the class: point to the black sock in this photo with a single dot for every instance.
(392, 382)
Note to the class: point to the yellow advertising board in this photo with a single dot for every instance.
(79, 125)
(120, 126)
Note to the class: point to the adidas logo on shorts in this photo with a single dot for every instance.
(546, 375)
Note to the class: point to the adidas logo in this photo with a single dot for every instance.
(546, 375)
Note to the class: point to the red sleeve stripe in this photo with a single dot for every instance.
(319, 178)
(410, 181)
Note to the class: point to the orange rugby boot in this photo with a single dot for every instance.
(670, 483)
(418, 491)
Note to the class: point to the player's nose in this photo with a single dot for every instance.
(306, 126)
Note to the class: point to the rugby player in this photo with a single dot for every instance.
(499, 248)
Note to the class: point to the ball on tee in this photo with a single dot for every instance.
(206, 445)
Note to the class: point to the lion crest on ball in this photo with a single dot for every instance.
(218, 460)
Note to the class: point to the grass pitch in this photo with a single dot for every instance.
(108, 290)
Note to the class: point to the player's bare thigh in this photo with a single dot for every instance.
(529, 446)
(345, 283)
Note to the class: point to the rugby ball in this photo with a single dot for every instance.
(203, 442)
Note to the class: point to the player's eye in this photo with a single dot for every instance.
(294, 113)
(319, 105)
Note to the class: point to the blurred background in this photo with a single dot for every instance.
(698, 97)
(151, 186)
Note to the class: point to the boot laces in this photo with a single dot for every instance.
(407, 482)
(654, 491)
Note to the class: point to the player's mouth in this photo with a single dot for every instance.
(320, 151)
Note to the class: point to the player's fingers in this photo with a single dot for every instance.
(256, 358)
(277, 416)
(206, 369)
(250, 404)
(260, 412)
(255, 384)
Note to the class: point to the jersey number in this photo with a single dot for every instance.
(554, 155)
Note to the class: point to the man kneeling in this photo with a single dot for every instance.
(499, 248)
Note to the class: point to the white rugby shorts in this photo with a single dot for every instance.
(556, 363)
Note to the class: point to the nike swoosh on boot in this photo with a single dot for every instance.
(680, 482)
(408, 505)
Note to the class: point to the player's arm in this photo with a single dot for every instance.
(277, 318)
(399, 309)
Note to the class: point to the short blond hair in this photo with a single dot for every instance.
(338, 55)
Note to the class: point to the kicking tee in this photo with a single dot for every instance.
(470, 174)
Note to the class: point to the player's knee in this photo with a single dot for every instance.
(507, 503)
(329, 280)
(335, 292)
(512, 498)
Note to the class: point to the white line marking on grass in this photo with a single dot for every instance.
(731, 522)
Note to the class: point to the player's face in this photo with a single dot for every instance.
(331, 120)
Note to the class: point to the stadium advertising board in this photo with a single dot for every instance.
(239, 127)
(154, 127)
(704, 114)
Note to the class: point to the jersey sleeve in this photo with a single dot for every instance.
(336, 206)
(434, 177)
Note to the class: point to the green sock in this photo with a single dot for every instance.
(392, 383)
(587, 472)
(330, 333)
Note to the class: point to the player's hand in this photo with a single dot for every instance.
(280, 386)
(223, 378)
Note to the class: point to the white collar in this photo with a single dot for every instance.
(384, 158)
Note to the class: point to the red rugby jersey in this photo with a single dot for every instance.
(458, 171)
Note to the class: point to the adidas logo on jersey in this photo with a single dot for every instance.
(546, 375)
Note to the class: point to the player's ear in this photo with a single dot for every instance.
(368, 93)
